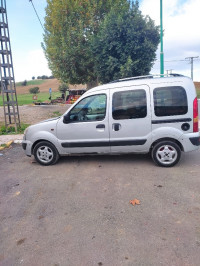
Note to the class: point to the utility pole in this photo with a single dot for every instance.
(191, 58)
(169, 71)
(161, 41)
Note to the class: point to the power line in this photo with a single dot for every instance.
(179, 60)
(191, 58)
(37, 14)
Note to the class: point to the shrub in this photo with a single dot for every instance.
(24, 83)
(34, 90)
(11, 129)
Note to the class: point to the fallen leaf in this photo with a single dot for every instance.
(21, 241)
(134, 202)
(17, 193)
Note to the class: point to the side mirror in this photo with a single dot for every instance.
(66, 119)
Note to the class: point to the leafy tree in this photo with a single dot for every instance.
(69, 28)
(34, 90)
(126, 44)
(33, 78)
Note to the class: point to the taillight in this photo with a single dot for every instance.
(195, 116)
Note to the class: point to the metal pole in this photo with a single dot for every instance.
(192, 68)
(161, 40)
(191, 62)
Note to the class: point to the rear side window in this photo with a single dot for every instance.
(170, 101)
(129, 104)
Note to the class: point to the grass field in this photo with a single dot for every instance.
(24, 99)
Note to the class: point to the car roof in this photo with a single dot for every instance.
(141, 80)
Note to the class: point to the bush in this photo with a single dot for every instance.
(34, 90)
(33, 78)
(24, 83)
(11, 129)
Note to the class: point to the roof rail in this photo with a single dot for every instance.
(147, 77)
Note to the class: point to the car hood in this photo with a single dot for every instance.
(48, 120)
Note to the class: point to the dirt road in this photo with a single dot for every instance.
(77, 212)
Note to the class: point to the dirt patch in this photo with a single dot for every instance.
(44, 87)
(33, 114)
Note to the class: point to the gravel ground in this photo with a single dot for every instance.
(77, 212)
(31, 114)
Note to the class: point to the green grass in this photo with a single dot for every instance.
(24, 99)
(11, 129)
(32, 82)
(56, 114)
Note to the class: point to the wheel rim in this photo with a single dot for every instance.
(45, 154)
(166, 154)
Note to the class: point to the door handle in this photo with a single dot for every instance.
(116, 127)
(100, 126)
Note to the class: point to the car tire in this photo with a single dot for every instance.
(166, 153)
(45, 153)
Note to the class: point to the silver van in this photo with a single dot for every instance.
(149, 114)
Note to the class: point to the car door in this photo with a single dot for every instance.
(130, 119)
(86, 129)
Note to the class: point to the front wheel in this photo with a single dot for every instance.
(166, 153)
(45, 153)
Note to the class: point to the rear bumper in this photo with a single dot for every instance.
(190, 141)
(195, 141)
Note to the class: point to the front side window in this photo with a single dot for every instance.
(92, 108)
(170, 101)
(130, 104)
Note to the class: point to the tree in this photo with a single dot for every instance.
(33, 78)
(69, 28)
(63, 88)
(126, 44)
(34, 90)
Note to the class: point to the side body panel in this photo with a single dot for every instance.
(133, 134)
(85, 136)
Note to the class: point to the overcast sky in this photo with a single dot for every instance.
(180, 24)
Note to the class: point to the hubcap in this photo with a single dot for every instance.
(166, 154)
(45, 154)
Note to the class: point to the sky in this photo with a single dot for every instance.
(180, 24)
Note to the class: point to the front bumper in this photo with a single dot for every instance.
(27, 146)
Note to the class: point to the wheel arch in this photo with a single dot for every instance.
(40, 140)
(166, 139)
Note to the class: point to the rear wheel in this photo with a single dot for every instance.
(166, 153)
(45, 153)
